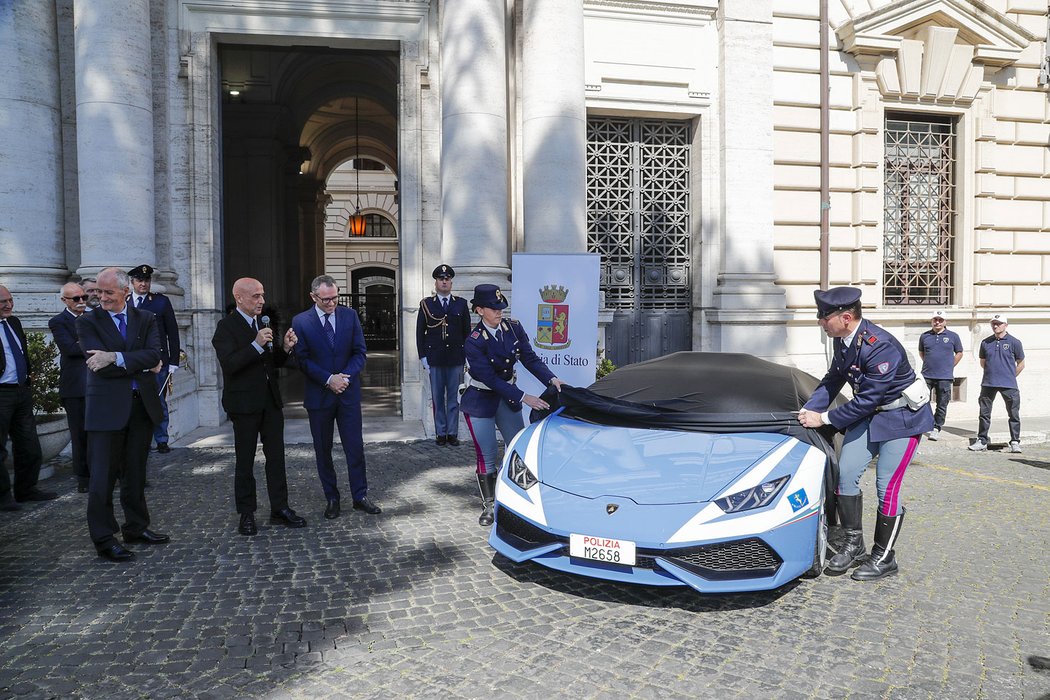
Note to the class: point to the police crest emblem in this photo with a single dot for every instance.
(552, 319)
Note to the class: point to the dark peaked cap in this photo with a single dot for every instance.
(835, 299)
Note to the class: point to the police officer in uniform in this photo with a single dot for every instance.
(442, 325)
(491, 398)
(878, 422)
(142, 298)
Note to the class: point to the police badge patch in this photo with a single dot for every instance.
(883, 367)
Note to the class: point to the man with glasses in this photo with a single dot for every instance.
(940, 350)
(1002, 359)
(16, 413)
(442, 326)
(884, 419)
(331, 353)
(72, 375)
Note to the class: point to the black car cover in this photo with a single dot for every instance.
(710, 392)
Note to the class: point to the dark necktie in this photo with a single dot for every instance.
(21, 369)
(122, 326)
(329, 330)
(139, 304)
(499, 336)
(444, 304)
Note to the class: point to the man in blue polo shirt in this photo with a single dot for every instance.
(940, 350)
(1002, 358)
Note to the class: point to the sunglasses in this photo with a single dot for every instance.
(77, 298)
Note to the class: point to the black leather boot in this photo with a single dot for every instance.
(851, 549)
(882, 562)
(487, 485)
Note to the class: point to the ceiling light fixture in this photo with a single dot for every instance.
(356, 224)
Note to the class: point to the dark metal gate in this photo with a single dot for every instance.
(638, 219)
(378, 318)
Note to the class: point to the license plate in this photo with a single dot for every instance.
(602, 549)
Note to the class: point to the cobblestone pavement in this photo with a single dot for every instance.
(414, 603)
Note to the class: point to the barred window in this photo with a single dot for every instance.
(638, 210)
(919, 238)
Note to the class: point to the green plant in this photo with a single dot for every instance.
(604, 366)
(43, 358)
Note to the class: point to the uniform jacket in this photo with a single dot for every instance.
(16, 326)
(72, 377)
(167, 326)
(248, 376)
(492, 363)
(878, 370)
(108, 391)
(318, 360)
(440, 336)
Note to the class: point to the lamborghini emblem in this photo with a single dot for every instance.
(611, 508)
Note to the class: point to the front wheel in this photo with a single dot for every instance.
(820, 552)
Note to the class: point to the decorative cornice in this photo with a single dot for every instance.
(997, 39)
(703, 9)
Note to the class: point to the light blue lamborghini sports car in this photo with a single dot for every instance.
(688, 470)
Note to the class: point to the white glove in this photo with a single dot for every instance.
(172, 368)
(426, 365)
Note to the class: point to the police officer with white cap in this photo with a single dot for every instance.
(1002, 359)
(492, 399)
(887, 416)
(940, 350)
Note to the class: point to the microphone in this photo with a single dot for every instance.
(266, 324)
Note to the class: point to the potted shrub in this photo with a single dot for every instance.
(51, 423)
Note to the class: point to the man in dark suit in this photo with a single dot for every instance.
(122, 345)
(73, 375)
(160, 305)
(252, 398)
(442, 325)
(331, 353)
(16, 413)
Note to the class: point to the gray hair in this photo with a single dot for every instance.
(122, 278)
(322, 280)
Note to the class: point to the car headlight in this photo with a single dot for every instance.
(754, 497)
(520, 474)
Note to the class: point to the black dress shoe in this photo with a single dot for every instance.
(82, 486)
(35, 494)
(115, 552)
(8, 502)
(367, 506)
(453, 440)
(441, 439)
(332, 511)
(288, 517)
(163, 448)
(147, 537)
(247, 526)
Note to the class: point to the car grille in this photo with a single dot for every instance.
(521, 533)
(737, 559)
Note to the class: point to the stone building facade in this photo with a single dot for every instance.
(682, 140)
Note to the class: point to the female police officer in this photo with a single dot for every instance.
(885, 418)
(491, 398)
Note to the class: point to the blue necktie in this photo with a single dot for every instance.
(21, 370)
(122, 326)
(329, 330)
(444, 304)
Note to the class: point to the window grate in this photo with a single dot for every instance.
(919, 238)
(638, 211)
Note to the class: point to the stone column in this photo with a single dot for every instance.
(751, 313)
(554, 127)
(32, 245)
(114, 133)
(474, 141)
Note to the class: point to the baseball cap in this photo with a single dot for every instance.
(999, 318)
(939, 313)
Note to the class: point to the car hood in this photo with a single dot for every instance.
(645, 465)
